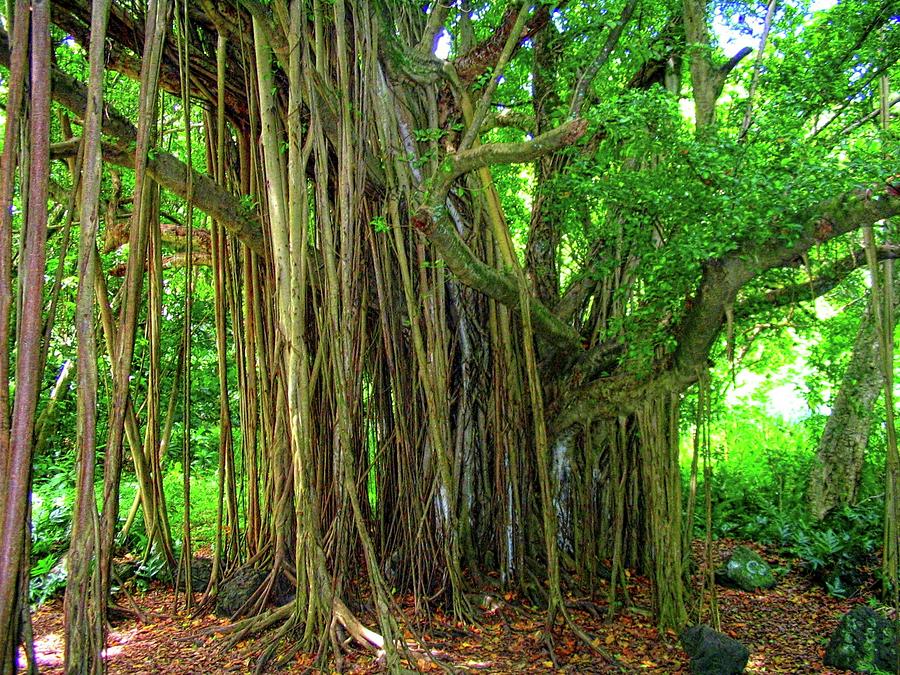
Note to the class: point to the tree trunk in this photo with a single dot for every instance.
(16, 449)
(840, 456)
(84, 628)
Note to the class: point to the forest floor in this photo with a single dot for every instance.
(785, 628)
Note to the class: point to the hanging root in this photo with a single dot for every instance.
(134, 610)
(409, 648)
(273, 643)
(245, 628)
(260, 597)
(361, 634)
(463, 610)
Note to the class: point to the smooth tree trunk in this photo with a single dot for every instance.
(10, 547)
(157, 14)
(17, 477)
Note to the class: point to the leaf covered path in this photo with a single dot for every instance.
(785, 628)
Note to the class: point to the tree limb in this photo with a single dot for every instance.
(500, 286)
(476, 61)
(589, 73)
(866, 118)
(72, 95)
(618, 394)
(732, 63)
(722, 279)
(170, 262)
(172, 235)
(828, 279)
(509, 118)
(208, 196)
(513, 153)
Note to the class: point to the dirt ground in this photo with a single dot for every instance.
(785, 628)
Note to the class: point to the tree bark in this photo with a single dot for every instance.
(840, 455)
(17, 462)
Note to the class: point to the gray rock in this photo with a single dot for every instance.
(122, 570)
(234, 593)
(862, 643)
(713, 653)
(283, 591)
(744, 569)
(201, 569)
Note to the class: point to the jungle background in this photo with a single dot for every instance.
(416, 313)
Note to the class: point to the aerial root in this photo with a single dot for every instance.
(337, 646)
(548, 645)
(269, 651)
(364, 636)
(133, 612)
(592, 643)
(588, 606)
(258, 599)
(463, 610)
(343, 620)
(240, 630)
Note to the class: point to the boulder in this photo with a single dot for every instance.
(234, 593)
(713, 653)
(283, 591)
(744, 569)
(201, 569)
(862, 643)
(122, 570)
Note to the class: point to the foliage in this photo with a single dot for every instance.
(51, 517)
(760, 463)
(52, 502)
(760, 475)
(840, 551)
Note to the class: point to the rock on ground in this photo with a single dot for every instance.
(201, 569)
(713, 653)
(746, 570)
(234, 593)
(862, 643)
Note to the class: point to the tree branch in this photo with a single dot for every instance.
(827, 280)
(732, 63)
(513, 153)
(722, 279)
(618, 394)
(173, 261)
(508, 118)
(72, 95)
(208, 196)
(588, 75)
(500, 286)
(170, 234)
(866, 118)
(475, 62)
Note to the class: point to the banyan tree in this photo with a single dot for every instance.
(467, 258)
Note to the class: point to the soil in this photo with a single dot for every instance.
(785, 628)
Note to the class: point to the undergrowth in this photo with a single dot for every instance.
(52, 503)
(761, 469)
